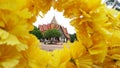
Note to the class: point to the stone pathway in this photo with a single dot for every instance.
(51, 47)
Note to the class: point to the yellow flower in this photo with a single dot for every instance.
(85, 61)
(70, 65)
(77, 49)
(12, 5)
(36, 6)
(113, 58)
(83, 31)
(70, 6)
(25, 14)
(109, 63)
(90, 5)
(11, 40)
(99, 48)
(59, 58)
(118, 63)
(115, 41)
(9, 56)
(97, 30)
(35, 58)
(114, 50)
(116, 57)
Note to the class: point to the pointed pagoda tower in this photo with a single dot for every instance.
(54, 20)
(54, 24)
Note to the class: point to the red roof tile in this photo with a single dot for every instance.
(65, 32)
(53, 25)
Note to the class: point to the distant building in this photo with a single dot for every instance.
(54, 25)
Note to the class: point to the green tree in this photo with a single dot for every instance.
(36, 32)
(52, 33)
(73, 37)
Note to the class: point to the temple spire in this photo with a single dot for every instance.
(54, 20)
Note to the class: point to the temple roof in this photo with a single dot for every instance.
(53, 25)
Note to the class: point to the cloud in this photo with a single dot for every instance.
(59, 18)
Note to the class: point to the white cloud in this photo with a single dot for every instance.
(59, 17)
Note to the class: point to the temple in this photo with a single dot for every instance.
(54, 25)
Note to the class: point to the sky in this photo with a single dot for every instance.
(61, 20)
